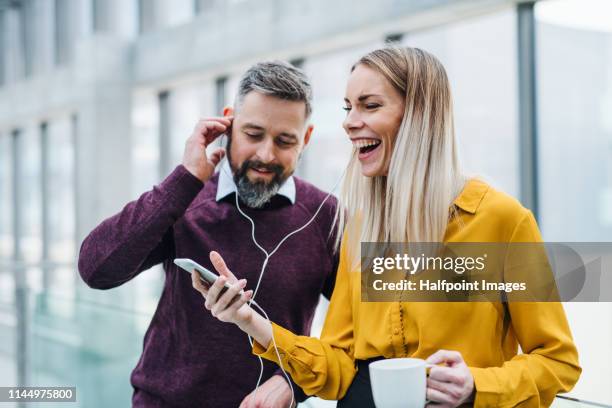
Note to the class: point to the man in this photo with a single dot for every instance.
(188, 361)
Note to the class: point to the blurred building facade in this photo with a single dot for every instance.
(97, 98)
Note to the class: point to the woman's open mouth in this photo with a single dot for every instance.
(366, 147)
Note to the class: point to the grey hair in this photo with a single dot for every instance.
(279, 79)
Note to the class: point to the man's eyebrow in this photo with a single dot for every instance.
(252, 126)
(258, 127)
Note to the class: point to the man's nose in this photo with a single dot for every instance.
(265, 151)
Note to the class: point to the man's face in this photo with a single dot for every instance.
(268, 134)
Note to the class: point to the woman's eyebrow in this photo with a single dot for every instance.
(362, 98)
(366, 96)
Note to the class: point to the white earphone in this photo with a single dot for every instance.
(263, 268)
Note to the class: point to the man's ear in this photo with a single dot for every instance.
(308, 134)
(228, 111)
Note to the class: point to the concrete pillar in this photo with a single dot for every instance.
(14, 46)
(3, 36)
(115, 17)
(44, 46)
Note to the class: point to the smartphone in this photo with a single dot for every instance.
(207, 276)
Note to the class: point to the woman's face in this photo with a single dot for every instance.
(374, 113)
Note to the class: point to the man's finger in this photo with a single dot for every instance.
(221, 120)
(221, 267)
(226, 120)
(217, 155)
(211, 131)
(212, 126)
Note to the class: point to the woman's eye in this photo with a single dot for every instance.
(372, 105)
(253, 135)
(346, 108)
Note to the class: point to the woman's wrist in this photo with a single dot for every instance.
(257, 327)
(246, 323)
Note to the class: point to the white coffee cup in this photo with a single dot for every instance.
(399, 382)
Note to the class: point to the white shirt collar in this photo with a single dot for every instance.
(227, 186)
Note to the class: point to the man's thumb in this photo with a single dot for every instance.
(217, 155)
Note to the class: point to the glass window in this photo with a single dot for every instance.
(482, 72)
(575, 125)
(64, 32)
(6, 221)
(174, 12)
(145, 174)
(26, 14)
(113, 16)
(31, 204)
(203, 6)
(145, 142)
(188, 104)
(6, 201)
(328, 152)
(574, 85)
(61, 205)
(3, 47)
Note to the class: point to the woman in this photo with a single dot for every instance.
(404, 184)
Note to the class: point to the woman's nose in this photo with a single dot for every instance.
(352, 121)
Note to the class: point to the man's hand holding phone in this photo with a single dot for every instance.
(204, 133)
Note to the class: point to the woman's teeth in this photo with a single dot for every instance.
(365, 143)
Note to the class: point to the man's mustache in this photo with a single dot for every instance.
(277, 169)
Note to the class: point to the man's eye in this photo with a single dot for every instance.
(284, 142)
(254, 135)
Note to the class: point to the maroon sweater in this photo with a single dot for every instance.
(190, 358)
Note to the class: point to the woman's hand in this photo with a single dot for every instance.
(230, 306)
(452, 385)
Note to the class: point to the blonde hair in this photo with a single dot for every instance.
(412, 202)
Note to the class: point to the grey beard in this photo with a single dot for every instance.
(256, 195)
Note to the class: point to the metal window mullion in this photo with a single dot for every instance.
(45, 199)
(163, 100)
(19, 270)
(3, 47)
(528, 137)
(74, 130)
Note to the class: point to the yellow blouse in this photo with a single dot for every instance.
(359, 330)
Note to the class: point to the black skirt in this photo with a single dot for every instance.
(359, 394)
